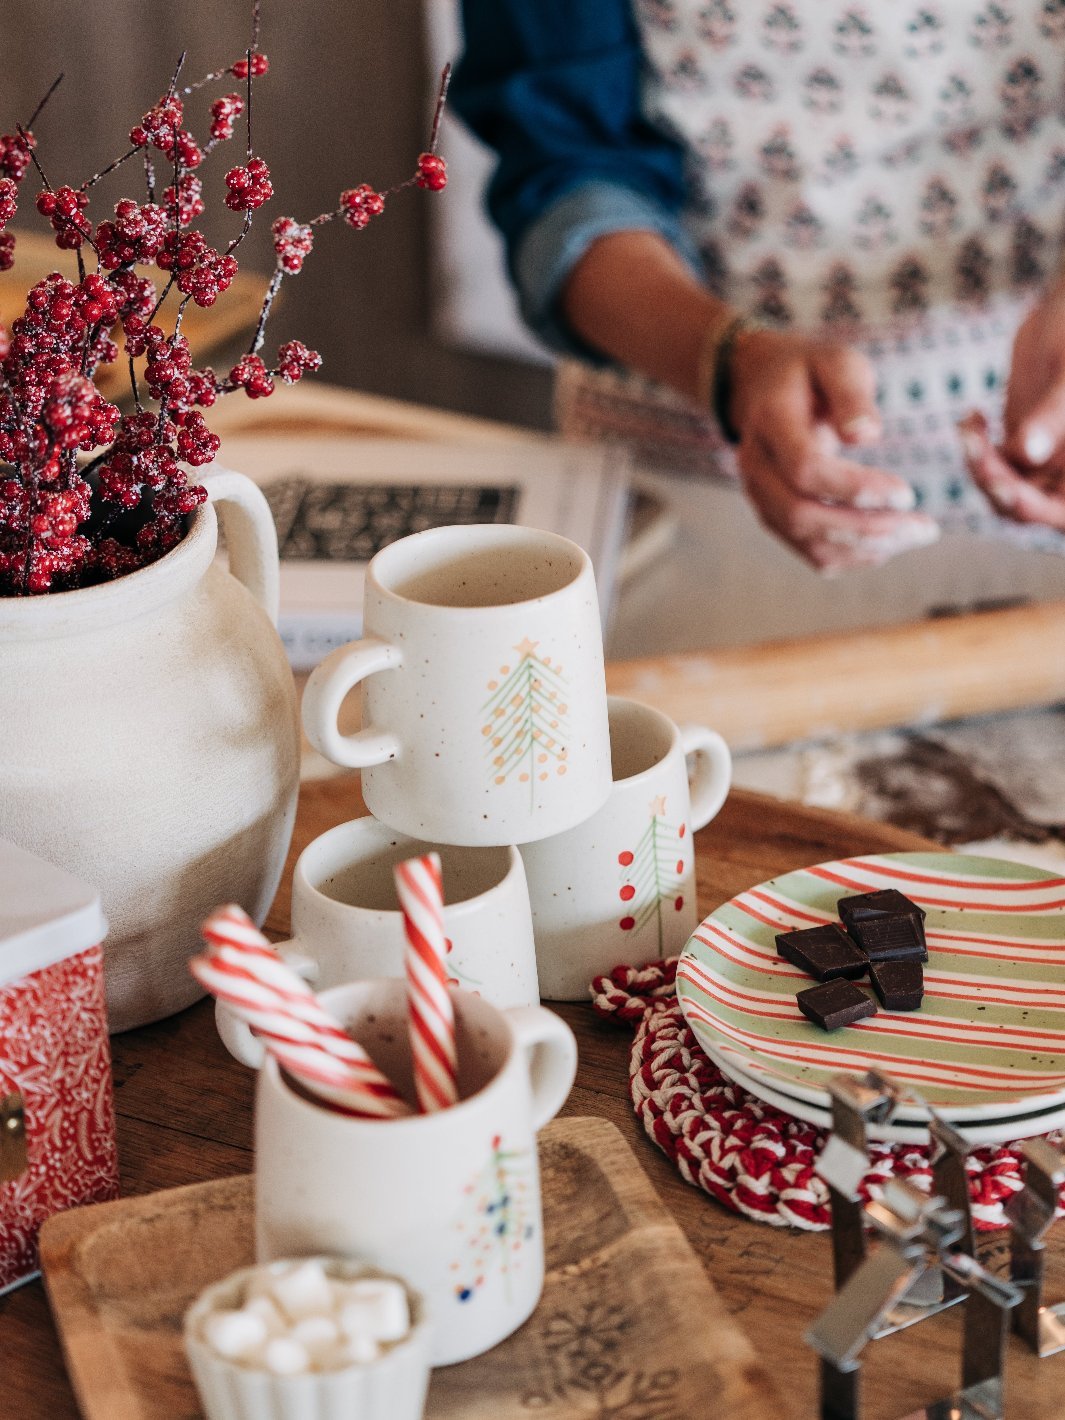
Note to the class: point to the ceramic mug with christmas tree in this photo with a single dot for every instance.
(621, 886)
(448, 1200)
(484, 692)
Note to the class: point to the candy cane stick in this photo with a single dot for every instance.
(432, 1014)
(242, 970)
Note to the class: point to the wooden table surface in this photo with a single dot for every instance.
(184, 1115)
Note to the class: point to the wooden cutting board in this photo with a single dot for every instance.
(629, 1324)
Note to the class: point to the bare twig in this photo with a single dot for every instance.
(441, 100)
(268, 301)
(91, 182)
(35, 115)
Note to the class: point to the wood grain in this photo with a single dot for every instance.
(184, 1110)
(762, 696)
(121, 1276)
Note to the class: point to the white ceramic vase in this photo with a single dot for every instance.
(150, 743)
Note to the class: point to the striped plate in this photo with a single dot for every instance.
(989, 1039)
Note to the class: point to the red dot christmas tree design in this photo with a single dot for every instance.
(525, 725)
(497, 1221)
(652, 873)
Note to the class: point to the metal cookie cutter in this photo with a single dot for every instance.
(873, 1099)
(913, 1226)
(1031, 1213)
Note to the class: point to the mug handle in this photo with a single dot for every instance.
(251, 536)
(552, 1050)
(712, 774)
(324, 693)
(238, 1038)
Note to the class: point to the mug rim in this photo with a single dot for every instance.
(271, 1071)
(457, 908)
(490, 534)
(670, 725)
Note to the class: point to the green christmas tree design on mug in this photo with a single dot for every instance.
(525, 727)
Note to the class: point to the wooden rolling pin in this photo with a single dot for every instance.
(820, 686)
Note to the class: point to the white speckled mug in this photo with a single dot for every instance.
(621, 887)
(449, 1201)
(484, 694)
(347, 924)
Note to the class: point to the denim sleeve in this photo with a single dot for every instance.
(556, 240)
(554, 88)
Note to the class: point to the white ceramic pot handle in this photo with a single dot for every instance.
(712, 774)
(324, 693)
(251, 536)
(552, 1051)
(236, 1036)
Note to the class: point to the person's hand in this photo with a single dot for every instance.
(1024, 478)
(794, 403)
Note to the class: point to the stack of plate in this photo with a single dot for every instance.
(986, 1049)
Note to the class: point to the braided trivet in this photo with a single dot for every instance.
(750, 1156)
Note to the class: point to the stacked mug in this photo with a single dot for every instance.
(563, 819)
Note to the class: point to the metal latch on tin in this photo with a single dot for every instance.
(14, 1159)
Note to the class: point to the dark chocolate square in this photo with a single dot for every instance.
(891, 938)
(835, 1003)
(899, 984)
(823, 952)
(885, 902)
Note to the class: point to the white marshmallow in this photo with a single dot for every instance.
(234, 1334)
(360, 1350)
(318, 1333)
(305, 1291)
(285, 1357)
(264, 1308)
(387, 1301)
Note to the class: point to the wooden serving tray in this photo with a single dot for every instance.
(629, 1325)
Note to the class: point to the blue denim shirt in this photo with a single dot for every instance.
(554, 87)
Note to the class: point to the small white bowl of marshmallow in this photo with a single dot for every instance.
(309, 1339)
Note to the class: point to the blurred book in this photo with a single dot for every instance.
(338, 500)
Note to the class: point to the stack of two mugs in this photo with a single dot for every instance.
(489, 730)
(564, 825)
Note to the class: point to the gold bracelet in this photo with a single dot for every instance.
(721, 381)
(705, 370)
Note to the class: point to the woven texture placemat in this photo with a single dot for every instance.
(745, 1153)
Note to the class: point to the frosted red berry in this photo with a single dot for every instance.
(247, 188)
(292, 243)
(259, 66)
(65, 210)
(432, 172)
(224, 113)
(251, 375)
(8, 200)
(185, 203)
(294, 360)
(15, 150)
(359, 204)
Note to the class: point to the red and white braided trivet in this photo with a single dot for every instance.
(743, 1152)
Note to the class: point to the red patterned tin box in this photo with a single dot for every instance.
(57, 1120)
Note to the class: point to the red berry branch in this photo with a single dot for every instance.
(68, 520)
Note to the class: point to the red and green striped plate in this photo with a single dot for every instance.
(988, 1041)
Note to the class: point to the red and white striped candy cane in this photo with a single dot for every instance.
(242, 970)
(431, 1011)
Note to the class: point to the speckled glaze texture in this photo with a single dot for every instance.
(150, 745)
(484, 692)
